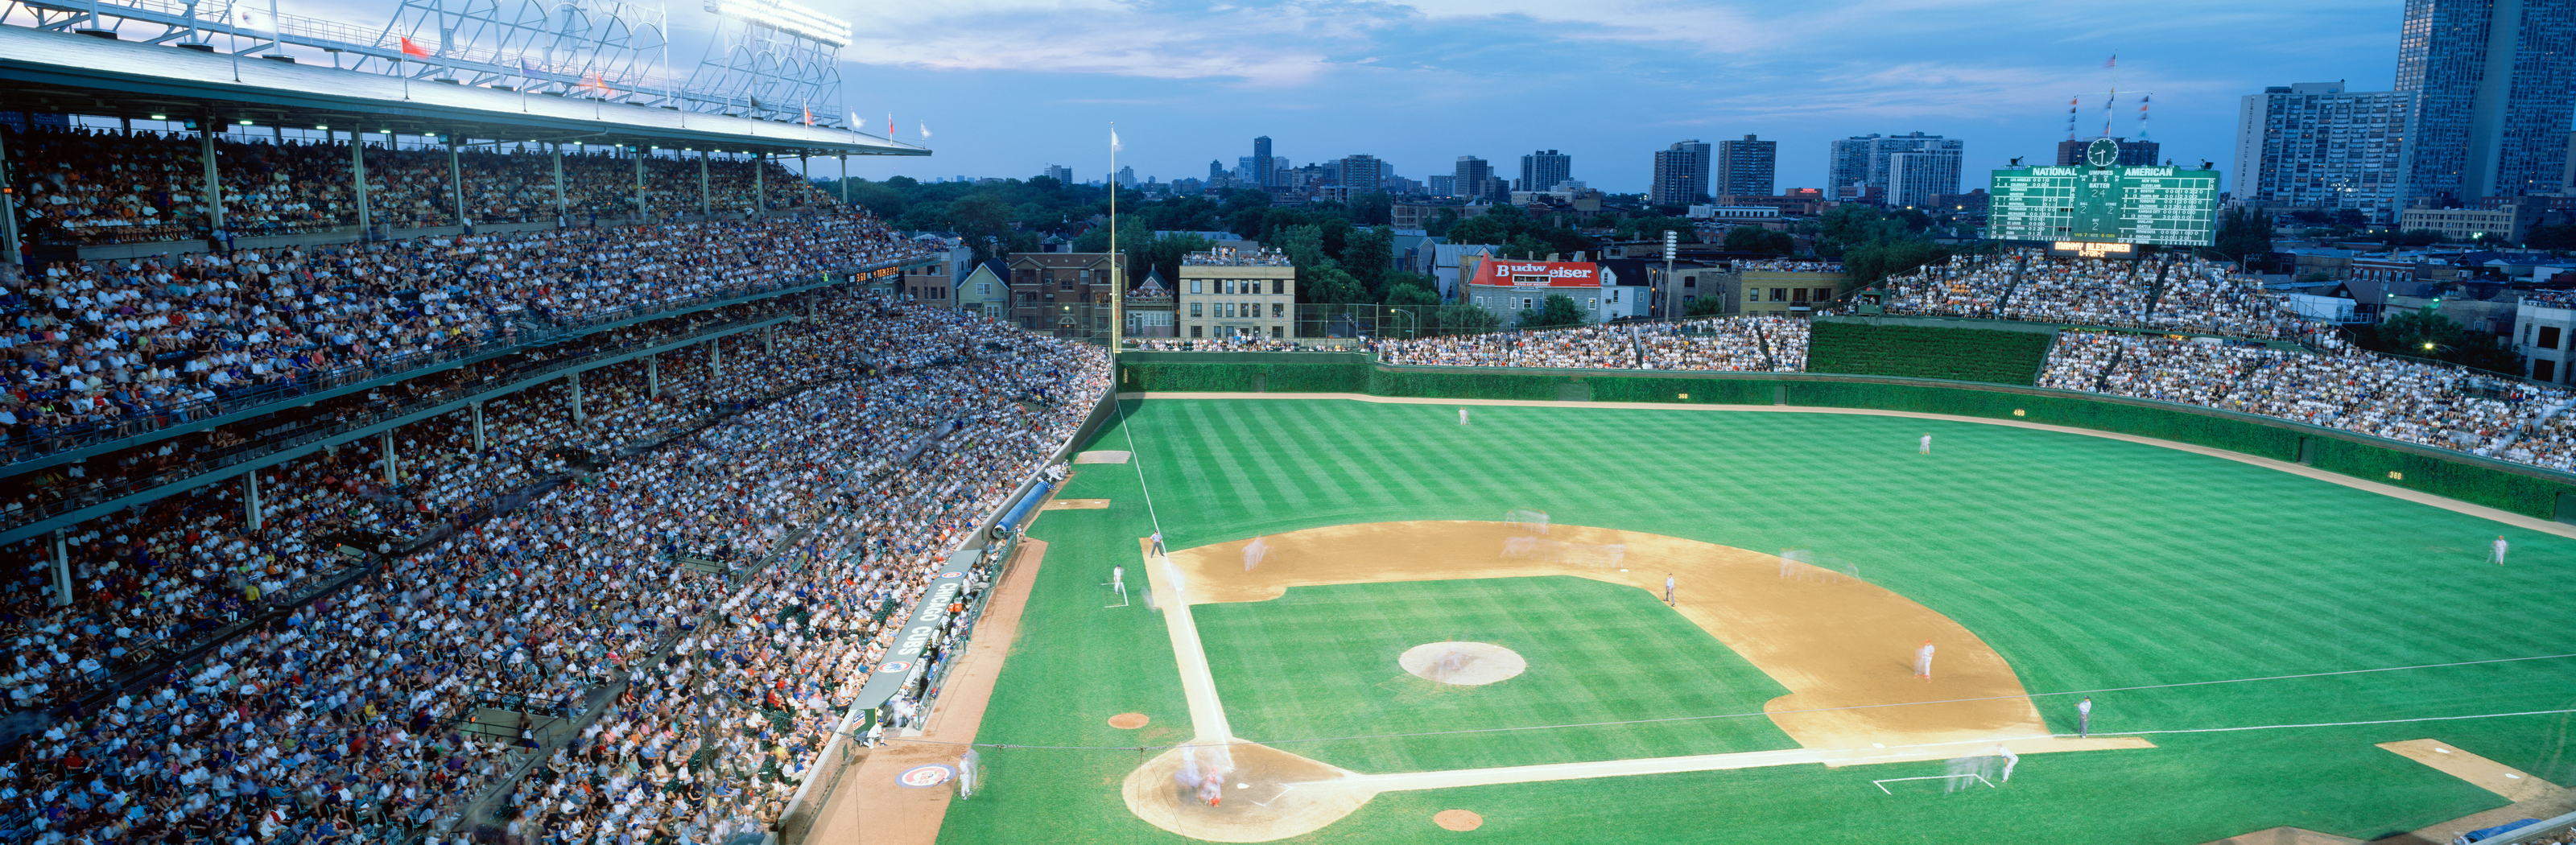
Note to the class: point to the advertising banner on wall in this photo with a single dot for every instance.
(1556, 274)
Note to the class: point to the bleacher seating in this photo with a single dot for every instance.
(357, 699)
(86, 186)
(2197, 295)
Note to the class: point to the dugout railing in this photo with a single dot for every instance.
(2519, 488)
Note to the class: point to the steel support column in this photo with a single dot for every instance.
(213, 196)
(480, 444)
(62, 570)
(358, 180)
(250, 500)
(393, 471)
(563, 207)
(577, 416)
(456, 181)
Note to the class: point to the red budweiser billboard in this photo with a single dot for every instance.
(1554, 274)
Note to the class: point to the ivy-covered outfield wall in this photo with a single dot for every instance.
(2525, 490)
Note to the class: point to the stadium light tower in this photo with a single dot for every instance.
(773, 58)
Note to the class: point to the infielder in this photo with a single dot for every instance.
(1668, 589)
(1253, 553)
(1927, 443)
(1158, 542)
(2498, 555)
(2010, 760)
(2084, 718)
(1923, 662)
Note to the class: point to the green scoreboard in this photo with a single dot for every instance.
(2099, 202)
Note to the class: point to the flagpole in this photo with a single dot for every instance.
(1117, 268)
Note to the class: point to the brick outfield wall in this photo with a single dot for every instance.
(2525, 490)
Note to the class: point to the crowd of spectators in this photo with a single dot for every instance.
(1722, 343)
(2197, 295)
(2345, 388)
(111, 348)
(1588, 346)
(1726, 343)
(95, 186)
(1788, 266)
(368, 711)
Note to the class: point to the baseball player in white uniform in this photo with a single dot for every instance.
(1923, 662)
(2498, 554)
(1927, 443)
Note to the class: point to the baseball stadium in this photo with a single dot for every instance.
(2265, 642)
(457, 433)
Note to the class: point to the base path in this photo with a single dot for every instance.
(2516, 520)
(868, 808)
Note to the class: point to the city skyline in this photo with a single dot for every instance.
(1417, 85)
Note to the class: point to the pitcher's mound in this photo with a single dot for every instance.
(1458, 820)
(1128, 721)
(1461, 663)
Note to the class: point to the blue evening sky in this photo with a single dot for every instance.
(1010, 86)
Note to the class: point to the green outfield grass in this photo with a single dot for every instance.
(2089, 563)
(1597, 652)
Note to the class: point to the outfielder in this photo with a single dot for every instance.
(2010, 760)
(2498, 554)
(2084, 718)
(1462, 416)
(1927, 443)
(1923, 662)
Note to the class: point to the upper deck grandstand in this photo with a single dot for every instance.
(353, 412)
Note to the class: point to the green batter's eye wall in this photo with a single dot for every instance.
(2530, 491)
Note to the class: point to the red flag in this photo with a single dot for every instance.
(809, 116)
(411, 49)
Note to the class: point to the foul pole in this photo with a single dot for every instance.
(1117, 268)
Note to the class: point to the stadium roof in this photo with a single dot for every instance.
(47, 72)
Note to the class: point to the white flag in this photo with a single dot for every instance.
(925, 132)
(857, 125)
(1113, 140)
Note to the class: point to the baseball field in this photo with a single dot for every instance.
(2250, 638)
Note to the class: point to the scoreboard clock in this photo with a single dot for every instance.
(2100, 201)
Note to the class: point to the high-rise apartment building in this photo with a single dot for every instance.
(2316, 145)
(1848, 164)
(1746, 168)
(2138, 153)
(1363, 173)
(1444, 185)
(1866, 161)
(1474, 180)
(1059, 173)
(2567, 183)
(1915, 177)
(1681, 174)
(1543, 170)
(1262, 174)
(2489, 108)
